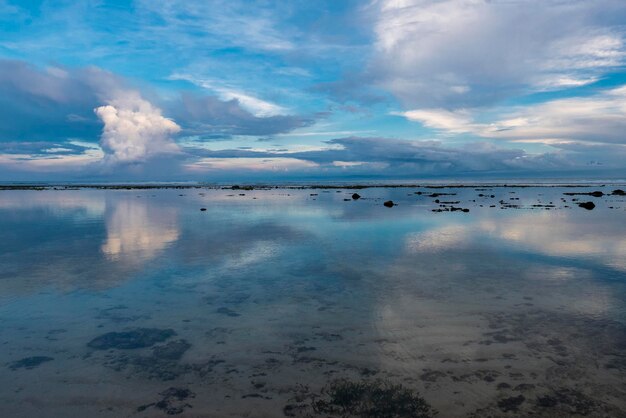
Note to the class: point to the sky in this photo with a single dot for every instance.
(156, 90)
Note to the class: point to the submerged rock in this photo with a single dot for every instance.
(227, 312)
(587, 205)
(511, 404)
(389, 203)
(356, 196)
(127, 340)
(202, 209)
(618, 192)
(173, 350)
(377, 398)
(29, 362)
(173, 401)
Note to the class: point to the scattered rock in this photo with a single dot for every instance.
(173, 350)
(377, 398)
(524, 387)
(389, 203)
(356, 196)
(570, 401)
(511, 404)
(618, 192)
(202, 209)
(594, 194)
(547, 401)
(432, 376)
(29, 362)
(227, 312)
(587, 205)
(173, 402)
(137, 338)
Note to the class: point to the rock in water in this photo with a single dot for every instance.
(356, 196)
(587, 205)
(202, 209)
(29, 362)
(173, 350)
(389, 203)
(618, 192)
(137, 338)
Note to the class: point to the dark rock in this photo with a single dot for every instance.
(173, 350)
(388, 203)
(173, 401)
(594, 194)
(524, 387)
(293, 410)
(227, 312)
(29, 362)
(432, 376)
(618, 192)
(511, 404)
(587, 205)
(547, 401)
(202, 209)
(570, 401)
(137, 338)
(377, 398)
(356, 196)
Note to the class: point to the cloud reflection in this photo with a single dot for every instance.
(137, 231)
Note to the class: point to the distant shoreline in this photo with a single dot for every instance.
(426, 185)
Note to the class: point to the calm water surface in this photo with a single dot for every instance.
(136, 303)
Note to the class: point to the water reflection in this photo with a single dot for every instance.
(272, 293)
(571, 234)
(136, 230)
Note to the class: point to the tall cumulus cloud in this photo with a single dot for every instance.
(135, 130)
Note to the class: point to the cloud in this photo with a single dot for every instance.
(250, 164)
(460, 53)
(208, 116)
(226, 23)
(50, 104)
(56, 104)
(599, 118)
(395, 157)
(258, 107)
(457, 121)
(134, 130)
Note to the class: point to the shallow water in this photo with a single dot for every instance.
(251, 307)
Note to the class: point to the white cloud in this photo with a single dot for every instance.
(250, 164)
(453, 121)
(460, 53)
(134, 130)
(258, 107)
(600, 118)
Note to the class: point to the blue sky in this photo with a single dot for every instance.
(260, 90)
